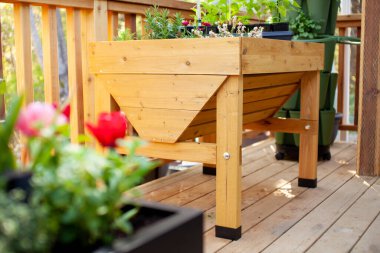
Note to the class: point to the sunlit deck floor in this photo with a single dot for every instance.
(341, 215)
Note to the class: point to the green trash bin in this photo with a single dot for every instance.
(294, 101)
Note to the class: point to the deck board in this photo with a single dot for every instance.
(279, 216)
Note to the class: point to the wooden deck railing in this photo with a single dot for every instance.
(87, 20)
(345, 22)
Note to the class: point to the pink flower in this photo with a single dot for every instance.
(38, 116)
(185, 23)
(111, 126)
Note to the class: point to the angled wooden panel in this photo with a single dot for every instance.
(276, 56)
(185, 92)
(266, 93)
(260, 81)
(159, 125)
(175, 56)
(206, 116)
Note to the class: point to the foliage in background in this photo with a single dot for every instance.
(304, 27)
(125, 34)
(222, 11)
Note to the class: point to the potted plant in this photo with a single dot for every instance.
(234, 11)
(81, 200)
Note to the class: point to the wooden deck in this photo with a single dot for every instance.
(341, 215)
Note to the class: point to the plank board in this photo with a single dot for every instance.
(175, 56)
(261, 81)
(182, 92)
(275, 56)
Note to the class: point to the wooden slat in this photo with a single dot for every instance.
(50, 53)
(100, 20)
(130, 22)
(163, 3)
(83, 4)
(74, 58)
(159, 125)
(187, 151)
(284, 125)
(369, 111)
(340, 85)
(23, 51)
(348, 128)
(137, 8)
(175, 56)
(275, 56)
(185, 92)
(260, 115)
(311, 227)
(261, 81)
(351, 20)
(266, 93)
(310, 111)
(113, 25)
(229, 129)
(353, 224)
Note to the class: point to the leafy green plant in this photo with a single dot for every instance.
(222, 11)
(304, 27)
(78, 193)
(159, 25)
(7, 158)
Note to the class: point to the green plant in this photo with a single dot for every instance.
(78, 193)
(7, 158)
(222, 11)
(159, 25)
(304, 27)
(126, 34)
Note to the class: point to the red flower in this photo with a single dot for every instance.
(65, 111)
(111, 126)
(185, 23)
(206, 24)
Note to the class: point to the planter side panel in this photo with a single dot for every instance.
(176, 56)
(276, 56)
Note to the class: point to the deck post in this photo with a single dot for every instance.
(308, 156)
(368, 163)
(229, 139)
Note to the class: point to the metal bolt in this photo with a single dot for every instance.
(226, 155)
(307, 127)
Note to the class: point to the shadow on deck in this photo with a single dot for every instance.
(341, 215)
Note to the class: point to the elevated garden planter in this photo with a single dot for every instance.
(176, 90)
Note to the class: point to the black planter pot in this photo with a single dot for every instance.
(18, 180)
(161, 228)
(278, 31)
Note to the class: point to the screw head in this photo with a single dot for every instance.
(226, 155)
(307, 127)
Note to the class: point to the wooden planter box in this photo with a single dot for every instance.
(173, 91)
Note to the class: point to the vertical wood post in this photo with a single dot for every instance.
(50, 53)
(229, 140)
(308, 151)
(113, 25)
(369, 99)
(74, 55)
(23, 51)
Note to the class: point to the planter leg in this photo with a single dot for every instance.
(229, 141)
(309, 141)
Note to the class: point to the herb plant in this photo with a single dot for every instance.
(304, 27)
(159, 25)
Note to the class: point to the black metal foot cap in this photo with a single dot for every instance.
(209, 171)
(310, 183)
(228, 233)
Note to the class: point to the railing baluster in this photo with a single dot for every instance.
(50, 53)
(74, 54)
(23, 51)
(113, 25)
